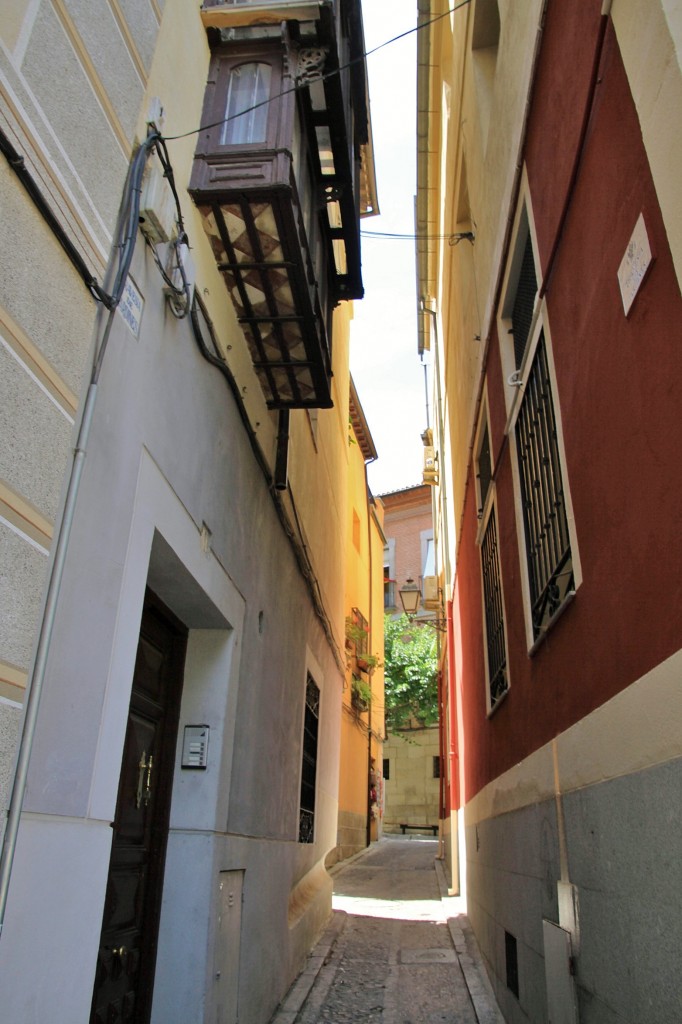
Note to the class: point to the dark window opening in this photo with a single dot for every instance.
(386, 768)
(548, 548)
(511, 957)
(389, 588)
(306, 828)
(436, 766)
(524, 303)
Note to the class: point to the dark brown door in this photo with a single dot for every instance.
(127, 954)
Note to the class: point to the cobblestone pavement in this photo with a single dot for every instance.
(395, 951)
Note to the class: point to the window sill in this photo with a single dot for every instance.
(500, 700)
(568, 600)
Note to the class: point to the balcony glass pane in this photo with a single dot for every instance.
(324, 145)
(246, 110)
(339, 247)
(334, 214)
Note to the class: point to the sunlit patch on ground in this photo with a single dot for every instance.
(391, 910)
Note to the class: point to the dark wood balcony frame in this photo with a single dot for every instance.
(288, 342)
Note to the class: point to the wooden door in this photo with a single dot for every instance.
(127, 953)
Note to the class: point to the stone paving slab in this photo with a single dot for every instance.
(397, 950)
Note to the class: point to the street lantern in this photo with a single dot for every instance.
(410, 596)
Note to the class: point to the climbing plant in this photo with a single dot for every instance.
(410, 672)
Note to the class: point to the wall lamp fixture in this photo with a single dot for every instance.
(410, 598)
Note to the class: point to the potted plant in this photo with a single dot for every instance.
(355, 633)
(367, 662)
(361, 694)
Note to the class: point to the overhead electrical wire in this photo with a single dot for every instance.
(320, 78)
(452, 239)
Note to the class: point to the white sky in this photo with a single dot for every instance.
(384, 361)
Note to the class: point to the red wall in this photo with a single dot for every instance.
(620, 400)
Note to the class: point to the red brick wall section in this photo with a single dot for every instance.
(406, 515)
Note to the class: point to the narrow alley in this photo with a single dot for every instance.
(397, 950)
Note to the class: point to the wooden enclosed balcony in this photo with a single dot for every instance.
(279, 181)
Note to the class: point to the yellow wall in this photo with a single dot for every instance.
(364, 591)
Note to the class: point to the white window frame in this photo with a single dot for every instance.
(514, 387)
(483, 421)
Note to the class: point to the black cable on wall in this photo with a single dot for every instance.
(18, 165)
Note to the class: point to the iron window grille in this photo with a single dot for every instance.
(306, 827)
(493, 607)
(361, 633)
(484, 470)
(493, 603)
(548, 547)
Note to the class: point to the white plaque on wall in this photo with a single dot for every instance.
(131, 305)
(634, 265)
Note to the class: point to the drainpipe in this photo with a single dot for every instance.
(369, 646)
(441, 759)
(454, 714)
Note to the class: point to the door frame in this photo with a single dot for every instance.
(175, 645)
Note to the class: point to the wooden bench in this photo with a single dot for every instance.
(421, 828)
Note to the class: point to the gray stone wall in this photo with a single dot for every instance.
(623, 840)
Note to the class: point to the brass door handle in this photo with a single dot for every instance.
(144, 789)
(119, 953)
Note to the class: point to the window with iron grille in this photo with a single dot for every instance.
(484, 469)
(493, 608)
(551, 564)
(306, 828)
(361, 631)
(493, 604)
(548, 547)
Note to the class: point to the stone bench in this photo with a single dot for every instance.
(421, 828)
